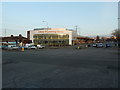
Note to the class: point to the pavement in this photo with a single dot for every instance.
(60, 68)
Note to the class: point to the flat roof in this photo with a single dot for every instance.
(63, 29)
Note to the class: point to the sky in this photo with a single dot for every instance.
(92, 18)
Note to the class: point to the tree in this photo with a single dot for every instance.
(97, 37)
(116, 33)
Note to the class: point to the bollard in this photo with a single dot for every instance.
(22, 48)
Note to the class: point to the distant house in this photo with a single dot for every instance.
(14, 40)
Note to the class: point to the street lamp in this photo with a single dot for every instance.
(46, 24)
(76, 28)
(118, 22)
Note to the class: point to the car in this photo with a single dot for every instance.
(13, 48)
(10, 46)
(40, 46)
(107, 45)
(23, 47)
(32, 47)
(4, 47)
(94, 45)
(100, 45)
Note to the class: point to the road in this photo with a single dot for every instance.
(61, 68)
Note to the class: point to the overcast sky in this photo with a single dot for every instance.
(92, 18)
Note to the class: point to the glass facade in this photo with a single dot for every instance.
(51, 39)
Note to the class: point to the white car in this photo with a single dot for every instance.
(40, 46)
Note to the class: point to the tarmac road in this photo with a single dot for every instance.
(61, 68)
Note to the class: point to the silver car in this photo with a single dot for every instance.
(100, 45)
(32, 47)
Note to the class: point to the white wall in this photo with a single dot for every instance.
(53, 31)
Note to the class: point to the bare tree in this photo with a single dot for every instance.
(116, 33)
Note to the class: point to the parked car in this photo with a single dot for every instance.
(23, 47)
(107, 45)
(27, 45)
(4, 47)
(94, 45)
(32, 47)
(40, 46)
(12, 47)
(100, 45)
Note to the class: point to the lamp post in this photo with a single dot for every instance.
(5, 32)
(46, 24)
(118, 33)
(118, 23)
(76, 29)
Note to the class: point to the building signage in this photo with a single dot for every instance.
(51, 31)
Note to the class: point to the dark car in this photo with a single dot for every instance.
(107, 45)
(94, 45)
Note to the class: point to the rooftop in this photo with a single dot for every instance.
(63, 29)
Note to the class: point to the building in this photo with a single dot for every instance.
(14, 40)
(52, 36)
(82, 40)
